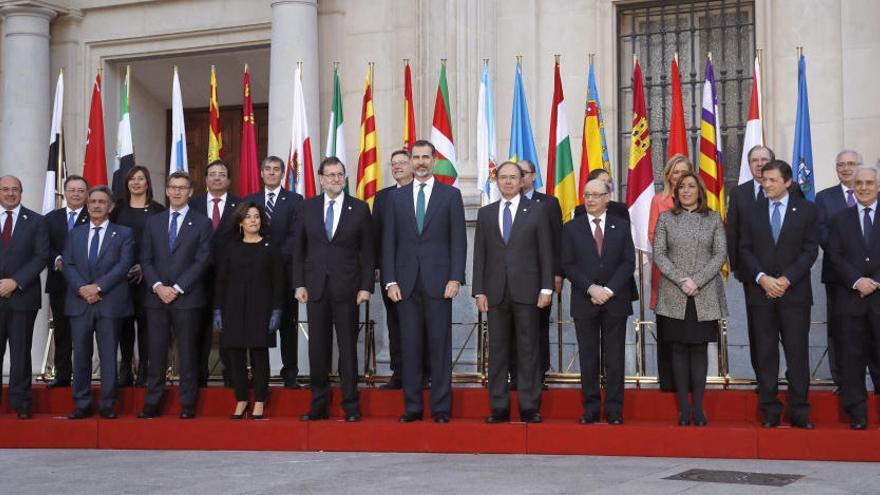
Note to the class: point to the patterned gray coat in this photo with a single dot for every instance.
(695, 246)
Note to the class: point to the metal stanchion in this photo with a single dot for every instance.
(559, 332)
(369, 346)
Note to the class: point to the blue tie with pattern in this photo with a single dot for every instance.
(93, 248)
(867, 225)
(776, 220)
(71, 220)
(270, 206)
(172, 230)
(507, 222)
(328, 220)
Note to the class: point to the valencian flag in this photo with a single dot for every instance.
(56, 169)
(640, 176)
(487, 147)
(711, 163)
(560, 167)
(95, 163)
(124, 145)
(445, 169)
(215, 139)
(368, 146)
(522, 141)
(300, 171)
(249, 168)
(754, 127)
(677, 131)
(409, 119)
(594, 149)
(802, 157)
(178, 162)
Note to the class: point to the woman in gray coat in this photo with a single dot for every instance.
(689, 249)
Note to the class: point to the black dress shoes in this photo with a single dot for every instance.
(313, 416)
(80, 413)
(58, 383)
(530, 417)
(770, 422)
(410, 417)
(617, 420)
(149, 412)
(24, 413)
(393, 384)
(498, 417)
(803, 424)
(700, 419)
(107, 413)
(187, 413)
(588, 419)
(441, 418)
(859, 424)
(292, 385)
(352, 418)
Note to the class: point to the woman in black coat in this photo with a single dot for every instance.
(248, 297)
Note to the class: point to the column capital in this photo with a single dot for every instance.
(49, 10)
(309, 3)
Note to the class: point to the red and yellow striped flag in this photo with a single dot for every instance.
(215, 140)
(368, 146)
(409, 119)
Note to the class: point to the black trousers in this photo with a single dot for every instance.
(62, 356)
(514, 327)
(324, 315)
(543, 344)
(183, 324)
(289, 334)
(86, 328)
(238, 372)
(612, 330)
(857, 340)
(665, 374)
(750, 328)
(792, 324)
(426, 324)
(17, 327)
(135, 324)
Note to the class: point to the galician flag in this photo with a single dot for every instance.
(560, 168)
(56, 169)
(335, 134)
(754, 127)
(594, 149)
(178, 162)
(487, 147)
(522, 141)
(640, 175)
(802, 157)
(445, 170)
(300, 171)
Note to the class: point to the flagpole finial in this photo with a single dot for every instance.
(800, 51)
(709, 56)
(676, 57)
(335, 66)
(557, 56)
(485, 61)
(590, 57)
(635, 59)
(406, 61)
(245, 67)
(519, 59)
(443, 61)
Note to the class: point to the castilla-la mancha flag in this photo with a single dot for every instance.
(95, 163)
(640, 176)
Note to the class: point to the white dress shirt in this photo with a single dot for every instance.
(591, 219)
(277, 192)
(429, 187)
(220, 204)
(183, 211)
(101, 234)
(337, 210)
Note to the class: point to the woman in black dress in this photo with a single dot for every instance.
(248, 297)
(132, 211)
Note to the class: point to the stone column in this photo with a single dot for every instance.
(27, 100)
(294, 39)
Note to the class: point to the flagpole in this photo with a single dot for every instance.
(59, 167)
(639, 330)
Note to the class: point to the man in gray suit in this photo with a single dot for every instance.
(513, 278)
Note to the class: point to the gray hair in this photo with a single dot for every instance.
(103, 189)
(872, 168)
(842, 152)
(607, 185)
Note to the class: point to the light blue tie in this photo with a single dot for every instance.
(506, 222)
(71, 220)
(172, 231)
(93, 248)
(776, 221)
(328, 220)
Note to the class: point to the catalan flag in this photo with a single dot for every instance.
(560, 167)
(215, 139)
(522, 141)
(640, 175)
(368, 146)
(594, 149)
(409, 119)
(445, 169)
(711, 163)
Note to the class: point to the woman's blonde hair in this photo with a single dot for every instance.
(667, 171)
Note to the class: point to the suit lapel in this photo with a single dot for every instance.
(344, 213)
(109, 236)
(182, 229)
(521, 216)
(408, 192)
(433, 203)
(20, 224)
(792, 216)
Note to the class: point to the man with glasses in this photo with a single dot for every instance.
(59, 222)
(281, 207)
(830, 202)
(175, 253)
(217, 204)
(25, 250)
(333, 275)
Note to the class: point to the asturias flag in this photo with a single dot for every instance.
(802, 157)
(522, 141)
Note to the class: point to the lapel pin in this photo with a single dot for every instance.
(525, 209)
(349, 207)
(612, 226)
(113, 234)
(794, 209)
(266, 244)
(283, 198)
(189, 223)
(24, 216)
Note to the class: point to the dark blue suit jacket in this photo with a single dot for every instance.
(184, 265)
(25, 259)
(830, 202)
(584, 267)
(281, 228)
(851, 260)
(110, 272)
(226, 231)
(56, 223)
(438, 254)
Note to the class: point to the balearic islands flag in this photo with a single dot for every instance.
(754, 128)
(560, 167)
(640, 176)
(215, 138)
(178, 162)
(711, 163)
(487, 147)
(95, 163)
(300, 171)
(594, 149)
(446, 168)
(56, 169)
(368, 147)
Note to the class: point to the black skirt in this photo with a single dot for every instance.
(689, 330)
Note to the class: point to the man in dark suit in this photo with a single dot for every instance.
(281, 208)
(831, 201)
(96, 261)
(425, 248)
(742, 199)
(59, 222)
(333, 275)
(23, 253)
(512, 281)
(401, 171)
(855, 260)
(554, 218)
(175, 252)
(779, 244)
(598, 258)
(216, 204)
(615, 208)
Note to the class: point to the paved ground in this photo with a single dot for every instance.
(167, 472)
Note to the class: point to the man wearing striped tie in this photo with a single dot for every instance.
(281, 208)
(60, 222)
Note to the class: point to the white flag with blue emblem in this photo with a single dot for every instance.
(178, 161)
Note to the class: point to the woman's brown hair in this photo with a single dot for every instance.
(702, 202)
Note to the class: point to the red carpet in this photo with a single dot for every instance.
(649, 429)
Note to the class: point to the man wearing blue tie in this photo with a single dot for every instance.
(175, 252)
(96, 261)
